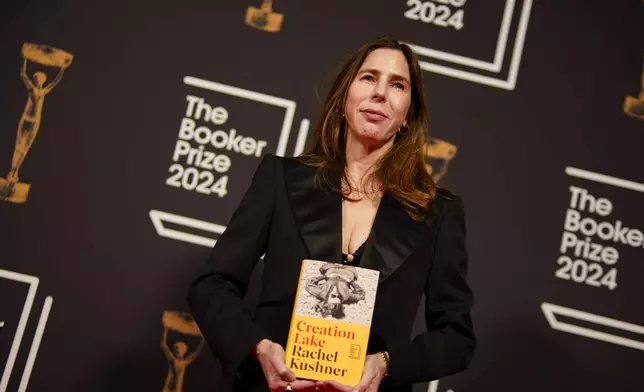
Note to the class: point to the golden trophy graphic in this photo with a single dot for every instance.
(179, 356)
(37, 86)
(438, 155)
(634, 106)
(264, 18)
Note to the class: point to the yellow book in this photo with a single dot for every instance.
(331, 321)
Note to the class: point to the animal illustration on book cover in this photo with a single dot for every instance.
(331, 321)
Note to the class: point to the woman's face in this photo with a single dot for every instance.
(379, 97)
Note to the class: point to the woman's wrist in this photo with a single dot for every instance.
(385, 360)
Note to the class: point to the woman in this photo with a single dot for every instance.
(362, 196)
(335, 287)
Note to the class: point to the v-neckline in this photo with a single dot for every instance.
(371, 228)
(358, 249)
(318, 213)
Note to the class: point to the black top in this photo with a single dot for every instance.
(357, 255)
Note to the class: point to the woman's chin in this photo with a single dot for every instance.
(371, 134)
(373, 137)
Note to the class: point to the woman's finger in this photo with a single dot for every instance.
(303, 385)
(285, 373)
(362, 385)
(280, 367)
(368, 379)
(332, 385)
(277, 385)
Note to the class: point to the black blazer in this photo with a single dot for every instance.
(286, 217)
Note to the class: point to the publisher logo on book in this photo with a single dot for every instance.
(355, 351)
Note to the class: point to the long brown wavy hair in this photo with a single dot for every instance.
(401, 172)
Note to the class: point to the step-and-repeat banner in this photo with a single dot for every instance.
(130, 130)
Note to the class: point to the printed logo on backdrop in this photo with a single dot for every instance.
(433, 387)
(634, 106)
(263, 18)
(438, 154)
(42, 69)
(601, 255)
(182, 343)
(223, 133)
(476, 41)
(18, 293)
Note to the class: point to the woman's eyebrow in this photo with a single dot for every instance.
(394, 76)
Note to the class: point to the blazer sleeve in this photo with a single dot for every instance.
(215, 296)
(449, 343)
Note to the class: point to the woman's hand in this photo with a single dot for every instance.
(278, 376)
(375, 369)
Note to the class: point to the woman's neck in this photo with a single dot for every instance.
(361, 160)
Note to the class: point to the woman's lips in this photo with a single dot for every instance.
(374, 115)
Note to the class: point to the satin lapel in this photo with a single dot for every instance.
(318, 212)
(393, 237)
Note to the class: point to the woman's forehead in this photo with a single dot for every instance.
(388, 61)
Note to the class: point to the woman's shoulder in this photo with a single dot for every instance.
(446, 195)
(299, 164)
(446, 202)
(289, 161)
(281, 167)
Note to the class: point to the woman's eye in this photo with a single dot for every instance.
(368, 77)
(399, 85)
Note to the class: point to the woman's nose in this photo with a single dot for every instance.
(378, 92)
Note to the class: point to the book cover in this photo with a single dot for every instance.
(331, 321)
